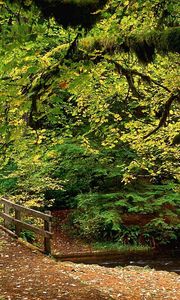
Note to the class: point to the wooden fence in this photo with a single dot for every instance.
(20, 224)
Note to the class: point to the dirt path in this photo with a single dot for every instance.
(63, 241)
(29, 275)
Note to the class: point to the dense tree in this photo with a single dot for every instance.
(95, 81)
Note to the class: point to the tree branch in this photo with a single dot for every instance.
(128, 74)
(72, 48)
(174, 96)
(148, 79)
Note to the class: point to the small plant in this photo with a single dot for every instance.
(28, 236)
(161, 232)
(129, 235)
(95, 219)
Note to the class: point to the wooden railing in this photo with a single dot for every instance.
(20, 224)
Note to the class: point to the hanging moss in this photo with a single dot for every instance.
(144, 45)
(144, 51)
(171, 40)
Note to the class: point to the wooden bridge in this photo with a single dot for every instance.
(6, 213)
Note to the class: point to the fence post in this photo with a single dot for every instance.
(17, 226)
(47, 240)
(7, 222)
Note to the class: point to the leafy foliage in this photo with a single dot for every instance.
(89, 110)
(102, 216)
(83, 170)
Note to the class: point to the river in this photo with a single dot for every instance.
(168, 261)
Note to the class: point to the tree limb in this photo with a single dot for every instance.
(128, 74)
(174, 96)
(72, 48)
(148, 79)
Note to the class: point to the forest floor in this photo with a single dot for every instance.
(27, 274)
(64, 242)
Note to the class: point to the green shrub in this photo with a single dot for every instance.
(84, 171)
(28, 236)
(7, 183)
(93, 221)
(161, 232)
(99, 216)
(129, 234)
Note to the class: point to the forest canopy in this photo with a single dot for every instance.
(89, 108)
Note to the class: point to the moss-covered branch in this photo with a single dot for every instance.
(144, 45)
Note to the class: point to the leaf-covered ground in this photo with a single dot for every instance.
(29, 275)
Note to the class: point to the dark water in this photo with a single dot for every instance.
(166, 262)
